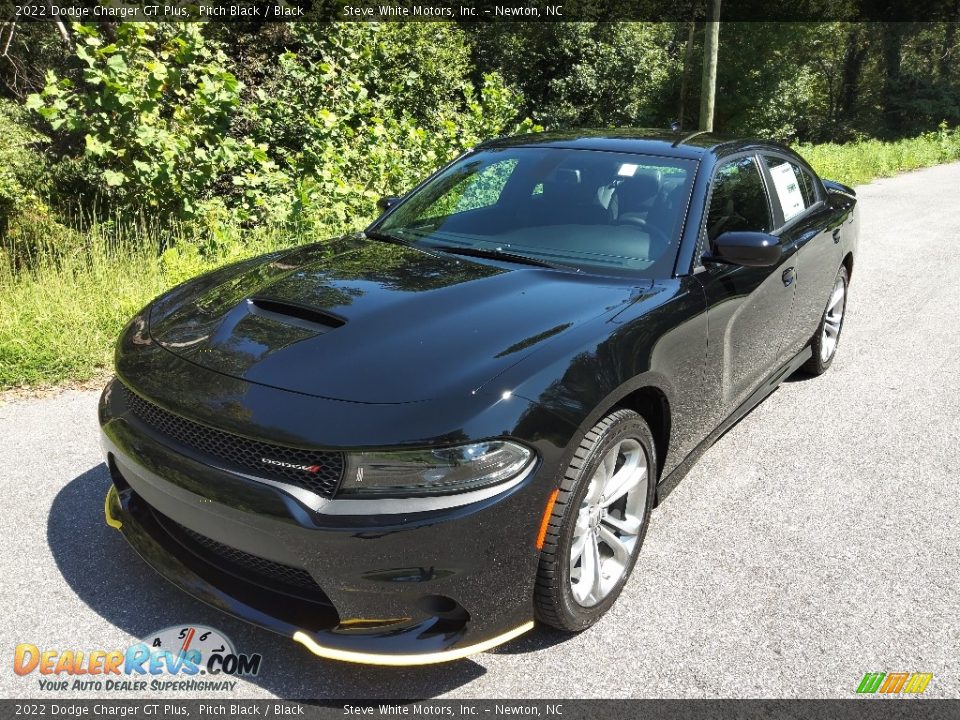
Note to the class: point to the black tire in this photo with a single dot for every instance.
(554, 602)
(817, 365)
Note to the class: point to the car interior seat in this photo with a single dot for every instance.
(634, 196)
(570, 199)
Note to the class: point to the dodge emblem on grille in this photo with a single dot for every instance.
(292, 466)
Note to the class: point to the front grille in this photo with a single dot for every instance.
(243, 564)
(325, 467)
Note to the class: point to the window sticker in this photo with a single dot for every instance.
(788, 190)
(627, 170)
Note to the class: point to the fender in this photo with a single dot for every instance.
(649, 349)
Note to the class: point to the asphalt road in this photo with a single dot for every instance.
(817, 541)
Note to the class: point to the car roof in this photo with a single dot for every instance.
(645, 141)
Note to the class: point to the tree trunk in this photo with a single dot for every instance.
(853, 60)
(892, 57)
(711, 43)
(687, 60)
(949, 52)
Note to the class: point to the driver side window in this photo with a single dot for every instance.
(739, 200)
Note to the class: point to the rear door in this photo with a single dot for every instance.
(804, 223)
(749, 308)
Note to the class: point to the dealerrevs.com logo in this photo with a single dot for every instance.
(183, 658)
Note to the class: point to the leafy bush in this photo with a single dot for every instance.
(21, 166)
(357, 111)
(151, 111)
(26, 221)
(347, 113)
(585, 74)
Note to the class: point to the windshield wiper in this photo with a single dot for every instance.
(384, 237)
(492, 254)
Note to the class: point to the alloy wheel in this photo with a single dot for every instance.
(833, 320)
(609, 522)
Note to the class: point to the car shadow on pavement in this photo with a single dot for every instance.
(114, 582)
(799, 376)
(541, 638)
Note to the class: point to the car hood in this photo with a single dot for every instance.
(373, 322)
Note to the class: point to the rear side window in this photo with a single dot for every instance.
(793, 186)
(739, 200)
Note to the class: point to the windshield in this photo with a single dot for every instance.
(578, 208)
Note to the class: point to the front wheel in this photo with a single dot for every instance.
(827, 337)
(598, 522)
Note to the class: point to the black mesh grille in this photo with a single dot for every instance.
(244, 564)
(325, 467)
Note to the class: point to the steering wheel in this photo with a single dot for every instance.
(648, 228)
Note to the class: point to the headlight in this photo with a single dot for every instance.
(406, 473)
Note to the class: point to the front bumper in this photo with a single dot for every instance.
(394, 589)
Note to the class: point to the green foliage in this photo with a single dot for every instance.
(785, 95)
(25, 219)
(359, 111)
(347, 113)
(21, 166)
(585, 74)
(20, 163)
(152, 152)
(862, 161)
(60, 317)
(151, 111)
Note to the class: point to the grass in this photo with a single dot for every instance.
(860, 162)
(58, 320)
(60, 317)
(61, 313)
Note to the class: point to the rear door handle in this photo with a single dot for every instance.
(836, 235)
(788, 277)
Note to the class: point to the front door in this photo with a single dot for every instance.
(811, 226)
(749, 309)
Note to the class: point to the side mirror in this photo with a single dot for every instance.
(388, 202)
(750, 249)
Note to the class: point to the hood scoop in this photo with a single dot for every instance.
(380, 323)
(301, 316)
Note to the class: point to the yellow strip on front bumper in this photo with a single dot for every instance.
(406, 660)
(107, 514)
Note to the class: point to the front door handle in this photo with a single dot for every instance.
(788, 277)
(836, 235)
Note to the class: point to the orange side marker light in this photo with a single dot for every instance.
(547, 512)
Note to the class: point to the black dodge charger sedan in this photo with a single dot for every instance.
(406, 445)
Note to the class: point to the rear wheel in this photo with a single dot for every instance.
(827, 337)
(598, 523)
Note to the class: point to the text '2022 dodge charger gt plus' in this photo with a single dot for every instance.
(406, 445)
